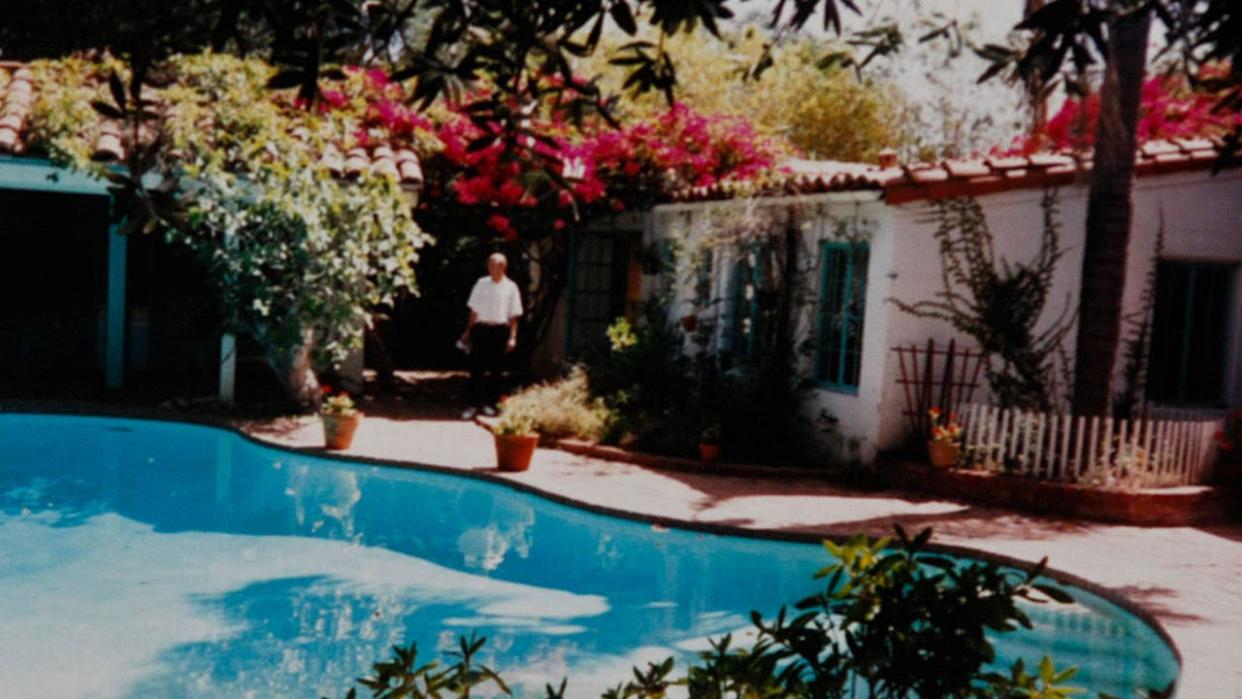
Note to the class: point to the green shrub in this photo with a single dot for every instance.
(563, 408)
(664, 400)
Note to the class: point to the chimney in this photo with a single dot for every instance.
(888, 158)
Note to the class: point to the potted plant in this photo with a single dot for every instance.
(944, 448)
(340, 419)
(515, 436)
(709, 444)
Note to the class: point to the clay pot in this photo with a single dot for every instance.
(709, 453)
(943, 454)
(338, 430)
(689, 323)
(513, 451)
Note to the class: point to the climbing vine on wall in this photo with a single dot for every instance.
(1001, 303)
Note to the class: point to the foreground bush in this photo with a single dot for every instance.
(889, 624)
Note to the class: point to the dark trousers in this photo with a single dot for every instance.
(487, 353)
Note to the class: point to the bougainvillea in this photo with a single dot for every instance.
(557, 175)
(1169, 108)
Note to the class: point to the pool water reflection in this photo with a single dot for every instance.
(160, 559)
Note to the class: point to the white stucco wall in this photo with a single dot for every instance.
(1202, 217)
(1203, 221)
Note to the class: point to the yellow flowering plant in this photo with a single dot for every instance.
(340, 404)
(944, 428)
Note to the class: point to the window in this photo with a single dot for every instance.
(745, 286)
(703, 278)
(1190, 332)
(842, 299)
(597, 288)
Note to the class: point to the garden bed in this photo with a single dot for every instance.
(1179, 506)
(1169, 507)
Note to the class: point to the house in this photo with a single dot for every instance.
(865, 239)
(92, 308)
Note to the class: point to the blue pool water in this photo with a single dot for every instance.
(148, 559)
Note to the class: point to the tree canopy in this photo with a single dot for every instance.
(824, 112)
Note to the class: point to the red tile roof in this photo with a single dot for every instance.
(17, 100)
(954, 178)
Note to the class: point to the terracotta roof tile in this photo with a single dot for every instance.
(1050, 160)
(17, 98)
(1007, 162)
(1157, 148)
(967, 168)
(955, 178)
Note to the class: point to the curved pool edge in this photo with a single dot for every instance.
(1137, 609)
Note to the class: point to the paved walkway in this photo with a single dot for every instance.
(1190, 578)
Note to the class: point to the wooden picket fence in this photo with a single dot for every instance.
(1136, 453)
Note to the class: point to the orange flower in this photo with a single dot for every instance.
(935, 413)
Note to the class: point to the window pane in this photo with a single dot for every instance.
(1189, 332)
(841, 313)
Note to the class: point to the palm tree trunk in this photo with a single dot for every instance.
(1109, 213)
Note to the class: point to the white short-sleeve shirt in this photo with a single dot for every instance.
(495, 302)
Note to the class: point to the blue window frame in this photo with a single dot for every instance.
(842, 300)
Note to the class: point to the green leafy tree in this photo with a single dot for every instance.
(815, 111)
(298, 257)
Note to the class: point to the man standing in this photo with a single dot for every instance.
(495, 306)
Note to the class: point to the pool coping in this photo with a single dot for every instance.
(494, 476)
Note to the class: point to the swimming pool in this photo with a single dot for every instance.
(167, 560)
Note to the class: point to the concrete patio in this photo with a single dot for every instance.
(1189, 578)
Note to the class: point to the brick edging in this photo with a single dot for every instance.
(1170, 508)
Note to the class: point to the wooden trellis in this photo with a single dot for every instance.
(936, 378)
(1078, 449)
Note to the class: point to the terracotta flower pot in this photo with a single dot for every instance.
(338, 430)
(709, 453)
(943, 454)
(689, 323)
(513, 451)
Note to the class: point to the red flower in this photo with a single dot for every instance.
(325, 389)
(334, 98)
